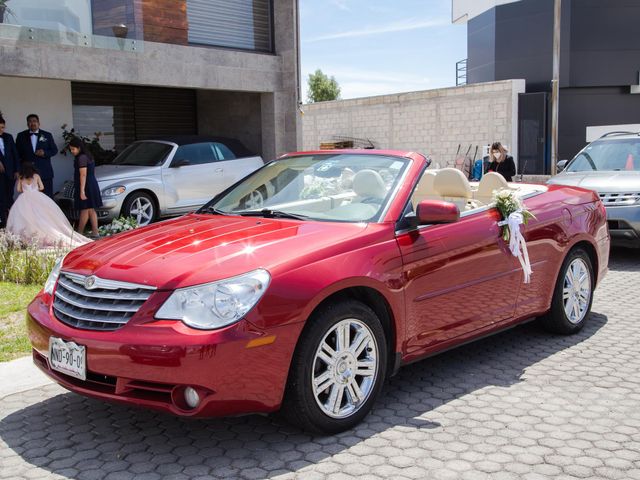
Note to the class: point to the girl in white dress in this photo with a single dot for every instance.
(34, 217)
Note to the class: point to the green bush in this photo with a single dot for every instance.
(26, 263)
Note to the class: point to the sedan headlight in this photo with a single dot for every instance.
(53, 276)
(217, 304)
(113, 191)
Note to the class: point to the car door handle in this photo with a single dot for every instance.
(218, 170)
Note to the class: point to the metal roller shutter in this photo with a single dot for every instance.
(140, 112)
(245, 24)
(164, 111)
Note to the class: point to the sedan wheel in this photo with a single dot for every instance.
(337, 370)
(573, 294)
(345, 368)
(576, 291)
(141, 207)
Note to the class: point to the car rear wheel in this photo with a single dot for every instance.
(338, 369)
(140, 206)
(573, 295)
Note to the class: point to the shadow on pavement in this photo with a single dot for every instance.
(624, 259)
(81, 438)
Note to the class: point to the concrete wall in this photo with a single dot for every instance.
(231, 114)
(51, 101)
(434, 122)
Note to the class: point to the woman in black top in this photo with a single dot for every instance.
(87, 194)
(501, 162)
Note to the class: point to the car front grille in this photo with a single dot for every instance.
(93, 303)
(68, 189)
(619, 199)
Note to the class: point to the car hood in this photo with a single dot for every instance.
(108, 173)
(618, 181)
(197, 249)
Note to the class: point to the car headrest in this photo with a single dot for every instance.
(451, 182)
(425, 186)
(489, 182)
(369, 183)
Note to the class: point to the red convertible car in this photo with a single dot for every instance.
(353, 264)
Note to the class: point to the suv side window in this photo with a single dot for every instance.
(223, 152)
(196, 153)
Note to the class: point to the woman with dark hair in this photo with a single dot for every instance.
(87, 195)
(36, 218)
(501, 162)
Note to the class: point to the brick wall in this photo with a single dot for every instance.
(434, 122)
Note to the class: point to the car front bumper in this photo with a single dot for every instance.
(149, 363)
(624, 225)
(111, 208)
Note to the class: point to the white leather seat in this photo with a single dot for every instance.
(452, 186)
(369, 184)
(425, 190)
(488, 183)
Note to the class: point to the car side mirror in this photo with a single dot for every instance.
(437, 211)
(562, 164)
(182, 162)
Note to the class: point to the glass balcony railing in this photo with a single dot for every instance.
(126, 24)
(63, 22)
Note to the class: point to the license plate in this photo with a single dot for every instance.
(68, 358)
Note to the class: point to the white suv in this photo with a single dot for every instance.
(610, 165)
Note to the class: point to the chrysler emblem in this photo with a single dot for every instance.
(90, 282)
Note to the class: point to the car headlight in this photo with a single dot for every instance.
(217, 304)
(53, 276)
(113, 191)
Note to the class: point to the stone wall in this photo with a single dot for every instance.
(434, 122)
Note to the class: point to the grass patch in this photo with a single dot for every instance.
(26, 263)
(13, 333)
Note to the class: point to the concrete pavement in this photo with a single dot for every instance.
(20, 375)
(519, 405)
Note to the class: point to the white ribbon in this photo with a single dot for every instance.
(517, 245)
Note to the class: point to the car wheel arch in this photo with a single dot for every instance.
(591, 251)
(151, 193)
(375, 300)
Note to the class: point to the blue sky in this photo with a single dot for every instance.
(375, 47)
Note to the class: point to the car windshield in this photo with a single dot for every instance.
(332, 187)
(144, 154)
(608, 155)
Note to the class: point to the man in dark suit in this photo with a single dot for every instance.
(37, 146)
(8, 171)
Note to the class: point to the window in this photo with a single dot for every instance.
(196, 153)
(244, 24)
(144, 154)
(223, 152)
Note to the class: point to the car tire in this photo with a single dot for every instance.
(141, 206)
(337, 370)
(572, 296)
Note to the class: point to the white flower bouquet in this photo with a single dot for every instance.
(118, 225)
(507, 202)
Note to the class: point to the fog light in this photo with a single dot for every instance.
(191, 397)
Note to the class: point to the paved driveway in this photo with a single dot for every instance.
(519, 405)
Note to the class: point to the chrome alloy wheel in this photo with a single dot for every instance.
(345, 368)
(142, 210)
(576, 290)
